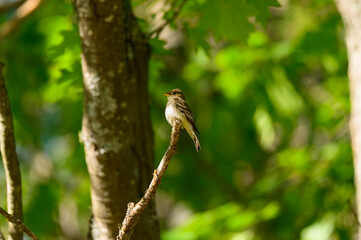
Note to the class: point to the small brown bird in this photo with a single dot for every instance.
(177, 108)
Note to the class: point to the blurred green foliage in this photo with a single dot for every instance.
(267, 84)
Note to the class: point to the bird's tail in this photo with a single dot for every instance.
(193, 135)
(196, 142)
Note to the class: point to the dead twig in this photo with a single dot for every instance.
(21, 13)
(134, 211)
(18, 223)
(160, 28)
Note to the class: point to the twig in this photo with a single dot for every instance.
(18, 223)
(134, 211)
(22, 12)
(160, 28)
(10, 159)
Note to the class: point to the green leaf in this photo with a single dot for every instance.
(198, 37)
(157, 46)
(264, 125)
(227, 19)
(71, 40)
(283, 95)
(262, 8)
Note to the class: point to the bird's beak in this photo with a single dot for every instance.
(165, 94)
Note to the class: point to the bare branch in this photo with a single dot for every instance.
(160, 28)
(18, 223)
(10, 160)
(21, 13)
(134, 211)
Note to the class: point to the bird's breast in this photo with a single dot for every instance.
(171, 114)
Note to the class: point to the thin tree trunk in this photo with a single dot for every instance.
(116, 131)
(351, 14)
(10, 160)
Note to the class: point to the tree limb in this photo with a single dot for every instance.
(134, 211)
(160, 28)
(18, 223)
(10, 160)
(21, 13)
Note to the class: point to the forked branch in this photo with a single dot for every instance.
(135, 210)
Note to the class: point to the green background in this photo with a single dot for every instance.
(269, 90)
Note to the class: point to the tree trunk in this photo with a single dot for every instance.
(116, 128)
(351, 14)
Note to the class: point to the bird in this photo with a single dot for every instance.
(177, 108)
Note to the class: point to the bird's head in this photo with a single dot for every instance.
(175, 93)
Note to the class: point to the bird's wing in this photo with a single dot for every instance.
(184, 108)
